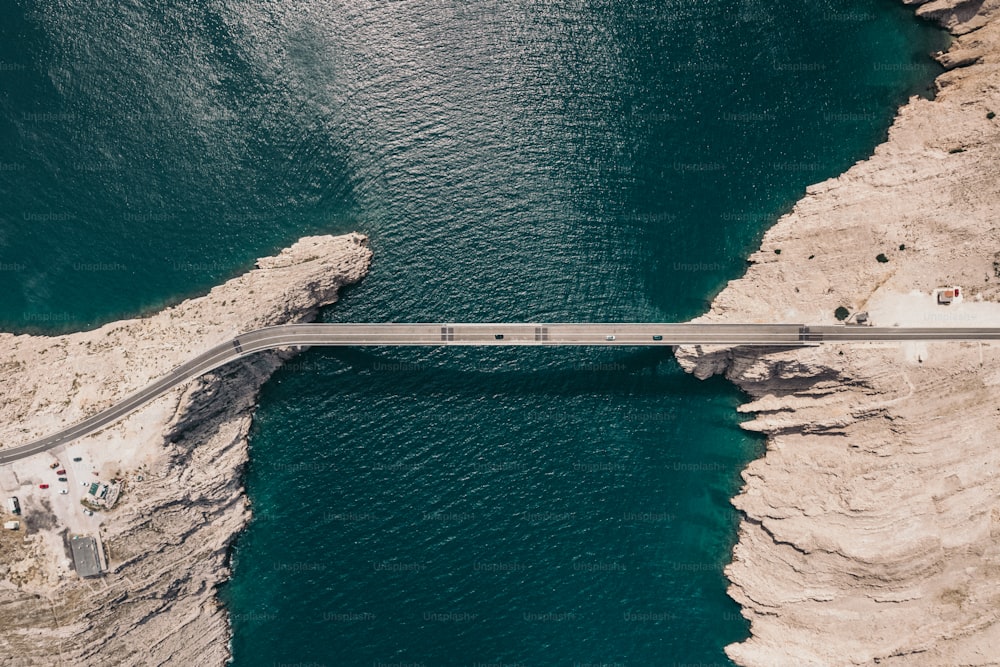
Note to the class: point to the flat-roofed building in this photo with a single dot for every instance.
(86, 558)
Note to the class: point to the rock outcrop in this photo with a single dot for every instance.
(871, 527)
(181, 457)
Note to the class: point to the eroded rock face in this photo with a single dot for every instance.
(958, 16)
(168, 539)
(871, 529)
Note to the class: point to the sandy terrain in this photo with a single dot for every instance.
(181, 457)
(870, 528)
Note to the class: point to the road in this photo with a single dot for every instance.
(374, 335)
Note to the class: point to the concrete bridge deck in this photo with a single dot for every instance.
(499, 334)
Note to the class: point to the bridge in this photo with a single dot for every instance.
(480, 334)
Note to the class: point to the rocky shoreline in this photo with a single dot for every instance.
(181, 458)
(869, 531)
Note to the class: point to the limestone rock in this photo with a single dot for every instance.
(870, 527)
(183, 457)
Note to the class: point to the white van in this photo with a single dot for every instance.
(13, 505)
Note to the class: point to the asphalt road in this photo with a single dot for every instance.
(373, 335)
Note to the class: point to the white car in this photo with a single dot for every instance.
(88, 512)
(609, 338)
(63, 491)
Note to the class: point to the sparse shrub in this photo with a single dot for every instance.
(841, 313)
(881, 258)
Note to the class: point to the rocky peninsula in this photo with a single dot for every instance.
(870, 530)
(179, 459)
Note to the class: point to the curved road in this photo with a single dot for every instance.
(305, 335)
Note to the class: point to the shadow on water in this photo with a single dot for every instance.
(519, 161)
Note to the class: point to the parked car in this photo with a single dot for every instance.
(61, 471)
(77, 459)
(43, 486)
(88, 512)
(54, 465)
(64, 491)
(63, 479)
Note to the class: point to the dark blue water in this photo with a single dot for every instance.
(510, 161)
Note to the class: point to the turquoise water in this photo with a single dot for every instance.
(510, 161)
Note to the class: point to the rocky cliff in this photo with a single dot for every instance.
(871, 527)
(181, 457)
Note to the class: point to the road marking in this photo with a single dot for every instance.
(482, 334)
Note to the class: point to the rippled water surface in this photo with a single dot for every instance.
(543, 161)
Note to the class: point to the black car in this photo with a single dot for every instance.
(498, 336)
(657, 337)
(63, 479)
(77, 458)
